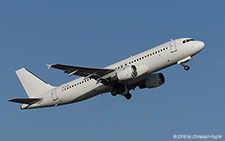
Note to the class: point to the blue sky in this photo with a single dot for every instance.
(97, 34)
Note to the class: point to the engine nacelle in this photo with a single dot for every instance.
(127, 73)
(154, 80)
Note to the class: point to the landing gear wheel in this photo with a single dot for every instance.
(114, 92)
(128, 96)
(186, 68)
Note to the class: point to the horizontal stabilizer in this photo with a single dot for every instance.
(25, 100)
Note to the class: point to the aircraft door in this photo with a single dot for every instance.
(54, 96)
(172, 45)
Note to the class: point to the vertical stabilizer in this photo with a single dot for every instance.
(33, 85)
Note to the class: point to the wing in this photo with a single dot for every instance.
(98, 74)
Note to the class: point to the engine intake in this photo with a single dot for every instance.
(127, 73)
(154, 80)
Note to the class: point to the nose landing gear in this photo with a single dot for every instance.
(185, 66)
(181, 62)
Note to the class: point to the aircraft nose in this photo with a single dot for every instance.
(200, 45)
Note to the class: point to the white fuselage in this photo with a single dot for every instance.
(155, 59)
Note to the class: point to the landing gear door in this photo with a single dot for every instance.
(173, 47)
(54, 96)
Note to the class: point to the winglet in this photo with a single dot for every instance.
(49, 66)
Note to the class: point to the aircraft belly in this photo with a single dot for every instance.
(85, 96)
(102, 89)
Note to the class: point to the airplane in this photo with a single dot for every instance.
(140, 71)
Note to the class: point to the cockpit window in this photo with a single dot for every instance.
(187, 40)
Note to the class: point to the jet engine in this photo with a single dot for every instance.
(154, 80)
(127, 73)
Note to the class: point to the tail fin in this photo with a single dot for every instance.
(33, 85)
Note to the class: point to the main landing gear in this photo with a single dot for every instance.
(114, 92)
(185, 66)
(120, 89)
(127, 96)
